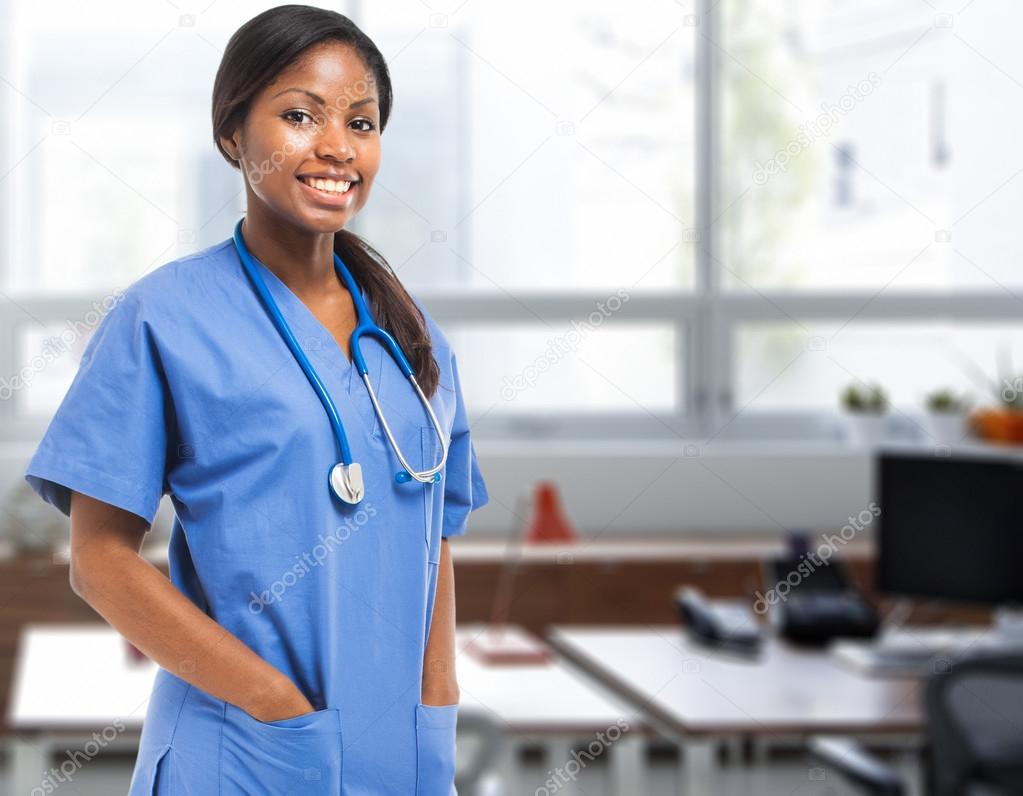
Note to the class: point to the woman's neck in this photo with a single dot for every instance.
(302, 261)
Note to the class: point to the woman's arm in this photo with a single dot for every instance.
(150, 612)
(440, 686)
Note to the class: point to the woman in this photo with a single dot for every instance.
(305, 644)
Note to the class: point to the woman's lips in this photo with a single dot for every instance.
(327, 198)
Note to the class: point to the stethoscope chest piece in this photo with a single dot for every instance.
(346, 482)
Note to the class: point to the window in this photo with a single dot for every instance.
(869, 145)
(666, 219)
(865, 187)
(547, 147)
(544, 370)
(783, 368)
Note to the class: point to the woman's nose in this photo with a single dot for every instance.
(334, 140)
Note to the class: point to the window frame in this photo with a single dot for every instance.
(706, 319)
(709, 317)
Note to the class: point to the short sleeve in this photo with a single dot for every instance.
(464, 488)
(108, 438)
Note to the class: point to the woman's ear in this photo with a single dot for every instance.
(231, 150)
(231, 145)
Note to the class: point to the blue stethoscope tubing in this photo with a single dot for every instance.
(345, 477)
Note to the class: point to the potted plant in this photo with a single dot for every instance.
(1004, 422)
(946, 415)
(866, 408)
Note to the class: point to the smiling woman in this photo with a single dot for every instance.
(289, 132)
(300, 111)
(305, 643)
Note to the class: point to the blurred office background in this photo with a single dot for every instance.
(701, 262)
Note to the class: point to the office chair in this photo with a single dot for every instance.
(974, 735)
(486, 736)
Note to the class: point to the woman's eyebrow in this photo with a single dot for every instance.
(318, 99)
(315, 97)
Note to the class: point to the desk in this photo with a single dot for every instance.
(72, 681)
(553, 705)
(699, 697)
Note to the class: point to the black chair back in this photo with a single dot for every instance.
(975, 726)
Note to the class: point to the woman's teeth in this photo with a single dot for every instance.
(328, 186)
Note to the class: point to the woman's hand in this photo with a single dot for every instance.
(144, 606)
(284, 701)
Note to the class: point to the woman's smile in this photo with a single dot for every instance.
(329, 192)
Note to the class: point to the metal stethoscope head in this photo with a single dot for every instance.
(345, 478)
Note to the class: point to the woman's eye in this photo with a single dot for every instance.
(291, 114)
(367, 122)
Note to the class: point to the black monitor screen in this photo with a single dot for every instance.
(950, 528)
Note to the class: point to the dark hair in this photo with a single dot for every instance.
(258, 51)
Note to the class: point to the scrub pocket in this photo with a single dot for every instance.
(435, 750)
(301, 754)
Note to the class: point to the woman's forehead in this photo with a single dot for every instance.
(330, 70)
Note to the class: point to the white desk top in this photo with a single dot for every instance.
(80, 676)
(697, 691)
(75, 675)
(538, 698)
(642, 550)
(616, 550)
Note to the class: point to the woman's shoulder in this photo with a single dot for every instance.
(190, 281)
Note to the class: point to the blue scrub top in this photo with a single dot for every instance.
(186, 388)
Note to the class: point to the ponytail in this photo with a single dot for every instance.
(392, 307)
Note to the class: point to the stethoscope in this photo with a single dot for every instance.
(345, 477)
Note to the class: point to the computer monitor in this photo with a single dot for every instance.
(950, 527)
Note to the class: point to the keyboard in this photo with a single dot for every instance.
(915, 652)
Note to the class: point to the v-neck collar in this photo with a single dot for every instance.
(325, 347)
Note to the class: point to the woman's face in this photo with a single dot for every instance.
(316, 127)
